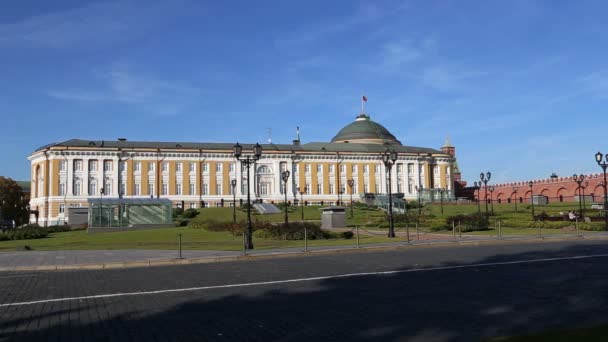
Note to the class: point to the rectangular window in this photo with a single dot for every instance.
(165, 166)
(218, 167)
(319, 168)
(151, 167)
(107, 165)
(205, 167)
(377, 168)
(342, 188)
(122, 166)
(192, 189)
(137, 166)
(282, 188)
(377, 188)
(366, 169)
(178, 188)
(331, 168)
(409, 187)
(62, 208)
(307, 168)
(61, 189)
(165, 189)
(192, 167)
(353, 168)
(218, 188)
(410, 168)
(92, 165)
(62, 164)
(231, 167)
(92, 188)
(107, 190)
(137, 189)
(151, 189)
(78, 165)
(331, 188)
(178, 167)
(205, 188)
(123, 189)
(436, 170)
(399, 168)
(307, 188)
(342, 168)
(319, 189)
(283, 166)
(365, 187)
(77, 188)
(399, 187)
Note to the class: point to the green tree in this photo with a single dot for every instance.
(12, 201)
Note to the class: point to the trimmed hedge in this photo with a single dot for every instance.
(469, 222)
(25, 233)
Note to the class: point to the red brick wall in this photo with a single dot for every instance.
(562, 189)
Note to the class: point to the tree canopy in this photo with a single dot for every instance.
(12, 201)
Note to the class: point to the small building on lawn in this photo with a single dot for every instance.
(111, 214)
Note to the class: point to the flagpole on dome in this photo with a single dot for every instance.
(363, 100)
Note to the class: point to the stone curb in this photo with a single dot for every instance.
(292, 254)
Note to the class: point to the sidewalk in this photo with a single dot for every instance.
(101, 259)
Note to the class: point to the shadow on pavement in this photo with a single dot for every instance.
(444, 305)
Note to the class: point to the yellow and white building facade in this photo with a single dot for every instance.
(193, 175)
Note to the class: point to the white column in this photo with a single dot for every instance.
(85, 175)
(115, 172)
(70, 176)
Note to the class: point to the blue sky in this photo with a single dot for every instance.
(521, 87)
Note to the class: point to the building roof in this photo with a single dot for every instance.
(317, 147)
(364, 129)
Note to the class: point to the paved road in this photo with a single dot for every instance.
(440, 293)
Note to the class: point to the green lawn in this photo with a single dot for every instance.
(203, 239)
(167, 239)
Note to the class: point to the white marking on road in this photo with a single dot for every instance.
(298, 280)
(19, 276)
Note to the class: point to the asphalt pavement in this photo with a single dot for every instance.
(443, 293)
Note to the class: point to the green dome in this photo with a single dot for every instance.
(364, 130)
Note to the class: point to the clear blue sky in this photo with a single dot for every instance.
(521, 87)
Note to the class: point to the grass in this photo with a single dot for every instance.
(167, 239)
(203, 239)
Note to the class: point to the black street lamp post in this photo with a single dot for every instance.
(515, 198)
(604, 166)
(579, 179)
(101, 191)
(351, 183)
(389, 159)
(285, 178)
(491, 189)
(419, 191)
(441, 192)
(531, 184)
(302, 203)
(248, 161)
(485, 179)
(233, 185)
(477, 186)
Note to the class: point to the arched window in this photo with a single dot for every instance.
(264, 169)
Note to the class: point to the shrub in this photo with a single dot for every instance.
(469, 222)
(347, 235)
(295, 231)
(3, 237)
(26, 233)
(58, 228)
(177, 212)
(190, 213)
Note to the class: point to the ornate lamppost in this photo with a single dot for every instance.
(101, 191)
(491, 189)
(477, 186)
(530, 184)
(248, 161)
(515, 197)
(285, 178)
(233, 185)
(579, 179)
(419, 191)
(302, 202)
(441, 192)
(389, 159)
(604, 165)
(351, 183)
(485, 179)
